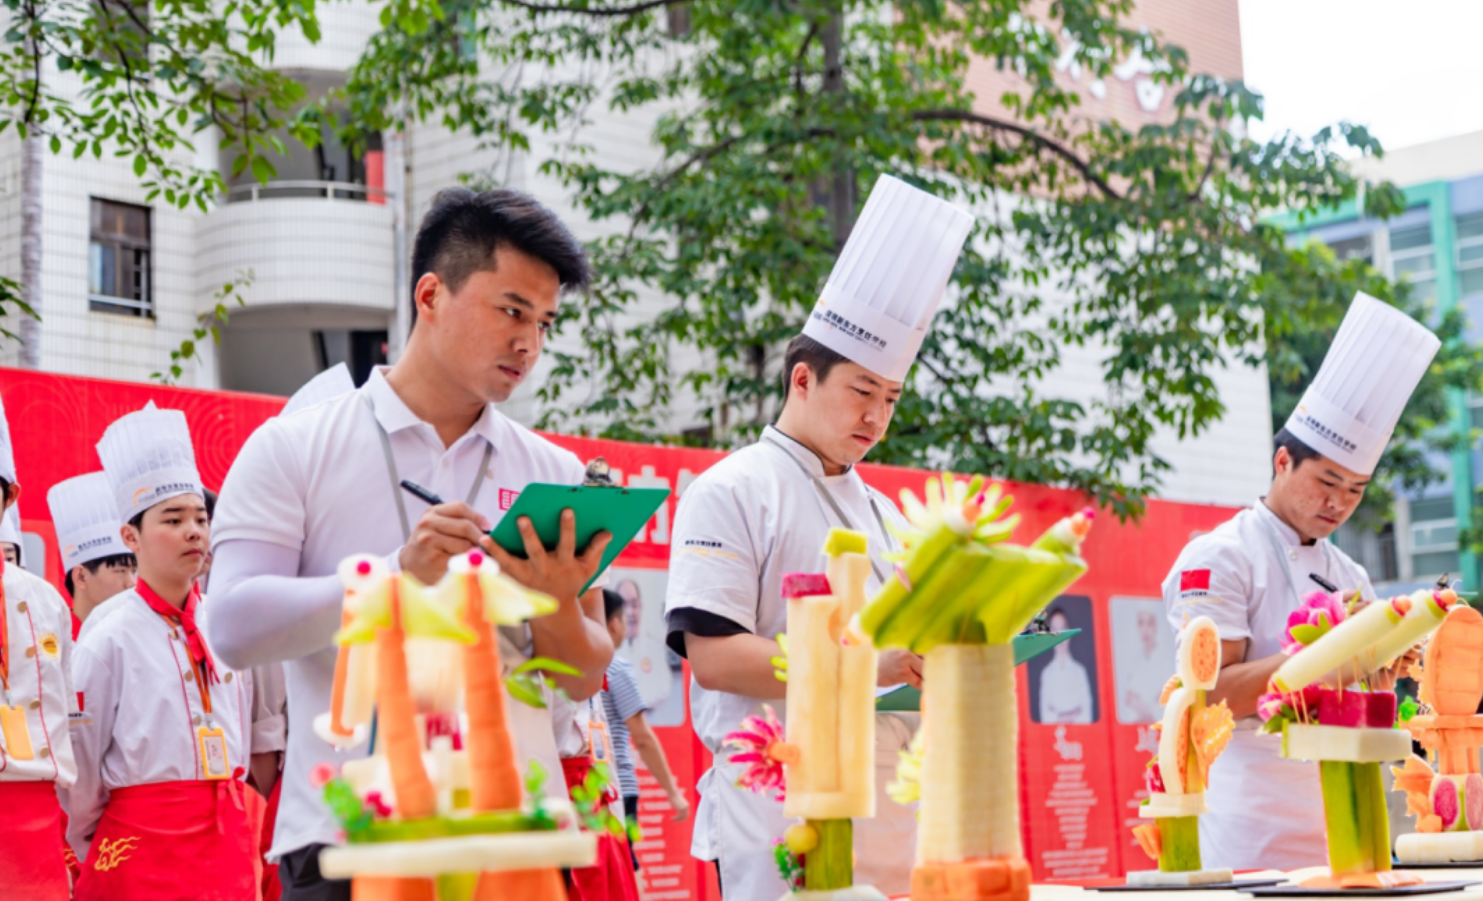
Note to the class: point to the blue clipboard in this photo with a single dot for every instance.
(907, 698)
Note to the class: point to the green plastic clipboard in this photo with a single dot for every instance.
(621, 511)
(907, 698)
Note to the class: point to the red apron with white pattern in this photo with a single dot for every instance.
(186, 840)
(611, 878)
(32, 864)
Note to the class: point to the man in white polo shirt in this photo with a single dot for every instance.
(314, 487)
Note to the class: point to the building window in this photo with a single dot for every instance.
(1470, 254)
(1411, 258)
(1360, 248)
(360, 351)
(118, 259)
(1433, 537)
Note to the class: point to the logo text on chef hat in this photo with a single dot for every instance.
(1338, 440)
(831, 318)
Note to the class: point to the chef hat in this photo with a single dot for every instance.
(1375, 362)
(7, 453)
(86, 519)
(328, 385)
(889, 280)
(10, 526)
(148, 458)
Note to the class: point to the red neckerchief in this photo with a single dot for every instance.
(200, 654)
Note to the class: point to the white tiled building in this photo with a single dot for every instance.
(320, 243)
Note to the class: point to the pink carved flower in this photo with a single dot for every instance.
(1319, 612)
(759, 748)
(321, 774)
(1302, 702)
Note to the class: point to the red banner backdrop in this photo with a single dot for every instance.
(1084, 738)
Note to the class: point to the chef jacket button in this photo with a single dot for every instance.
(21, 607)
(227, 677)
(36, 705)
(196, 719)
(190, 677)
(1292, 555)
(44, 753)
(31, 651)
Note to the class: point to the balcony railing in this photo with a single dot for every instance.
(330, 190)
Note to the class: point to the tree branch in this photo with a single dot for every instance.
(1039, 140)
(598, 12)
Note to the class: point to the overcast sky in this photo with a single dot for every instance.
(1410, 70)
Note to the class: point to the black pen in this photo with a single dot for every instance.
(413, 488)
(1323, 583)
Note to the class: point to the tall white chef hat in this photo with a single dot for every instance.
(148, 458)
(890, 278)
(86, 518)
(10, 526)
(1377, 359)
(328, 385)
(7, 453)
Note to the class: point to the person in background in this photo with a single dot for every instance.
(38, 699)
(165, 733)
(98, 564)
(624, 705)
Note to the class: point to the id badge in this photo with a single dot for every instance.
(214, 753)
(598, 740)
(17, 735)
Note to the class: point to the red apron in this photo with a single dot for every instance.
(611, 878)
(186, 840)
(271, 890)
(32, 864)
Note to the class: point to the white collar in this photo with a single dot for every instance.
(1287, 533)
(800, 452)
(394, 414)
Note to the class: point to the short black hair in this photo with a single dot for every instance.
(210, 498)
(4, 490)
(613, 603)
(94, 565)
(1296, 449)
(463, 229)
(811, 353)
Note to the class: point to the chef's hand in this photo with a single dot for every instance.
(560, 573)
(445, 530)
(681, 806)
(898, 667)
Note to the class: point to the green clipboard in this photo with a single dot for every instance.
(621, 511)
(1034, 644)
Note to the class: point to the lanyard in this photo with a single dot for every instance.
(823, 491)
(396, 482)
(1276, 541)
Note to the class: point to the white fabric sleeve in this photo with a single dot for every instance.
(1212, 577)
(269, 709)
(261, 610)
(86, 798)
(714, 562)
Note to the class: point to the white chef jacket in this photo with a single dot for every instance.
(316, 481)
(1247, 575)
(140, 709)
(739, 528)
(1065, 691)
(40, 649)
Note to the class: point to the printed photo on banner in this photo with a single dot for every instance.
(1142, 658)
(1063, 683)
(659, 670)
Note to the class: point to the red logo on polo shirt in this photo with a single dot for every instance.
(506, 498)
(80, 707)
(1194, 580)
